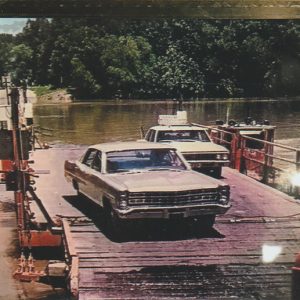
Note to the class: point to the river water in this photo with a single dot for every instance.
(104, 121)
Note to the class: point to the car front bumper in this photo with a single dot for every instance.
(198, 164)
(170, 212)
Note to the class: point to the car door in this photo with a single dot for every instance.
(85, 184)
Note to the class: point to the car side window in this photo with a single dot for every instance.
(152, 135)
(203, 136)
(147, 137)
(89, 157)
(97, 162)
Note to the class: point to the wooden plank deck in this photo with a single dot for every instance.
(52, 187)
(228, 262)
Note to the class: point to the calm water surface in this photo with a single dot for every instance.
(96, 122)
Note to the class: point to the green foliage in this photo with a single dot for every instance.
(180, 79)
(20, 58)
(6, 43)
(41, 90)
(121, 59)
(82, 77)
(176, 58)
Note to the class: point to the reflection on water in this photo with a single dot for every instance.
(90, 123)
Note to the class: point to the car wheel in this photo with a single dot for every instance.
(113, 223)
(217, 172)
(76, 187)
(244, 171)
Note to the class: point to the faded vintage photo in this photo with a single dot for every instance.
(150, 150)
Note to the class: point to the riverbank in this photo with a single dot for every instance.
(45, 95)
(57, 96)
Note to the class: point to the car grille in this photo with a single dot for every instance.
(198, 156)
(203, 196)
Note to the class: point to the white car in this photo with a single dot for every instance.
(194, 143)
(141, 180)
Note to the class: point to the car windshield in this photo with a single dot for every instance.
(183, 135)
(146, 160)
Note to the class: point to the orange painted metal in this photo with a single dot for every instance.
(26, 270)
(244, 157)
(5, 166)
(28, 237)
(254, 160)
(16, 173)
(39, 238)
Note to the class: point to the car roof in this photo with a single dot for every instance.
(135, 145)
(177, 127)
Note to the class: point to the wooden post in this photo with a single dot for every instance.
(74, 260)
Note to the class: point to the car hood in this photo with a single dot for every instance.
(194, 146)
(163, 181)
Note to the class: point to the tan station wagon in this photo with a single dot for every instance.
(193, 141)
(142, 180)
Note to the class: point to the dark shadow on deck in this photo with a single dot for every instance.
(146, 230)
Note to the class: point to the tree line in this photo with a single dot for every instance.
(156, 59)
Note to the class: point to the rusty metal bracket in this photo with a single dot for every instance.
(26, 270)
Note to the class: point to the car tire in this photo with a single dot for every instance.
(76, 187)
(216, 173)
(114, 224)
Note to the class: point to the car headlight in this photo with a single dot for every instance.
(123, 203)
(224, 194)
(195, 165)
(225, 156)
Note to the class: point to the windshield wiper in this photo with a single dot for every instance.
(163, 169)
(129, 171)
(186, 140)
(166, 141)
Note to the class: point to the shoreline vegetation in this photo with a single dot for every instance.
(156, 59)
(45, 95)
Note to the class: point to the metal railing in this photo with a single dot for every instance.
(271, 162)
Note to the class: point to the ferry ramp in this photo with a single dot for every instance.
(246, 255)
